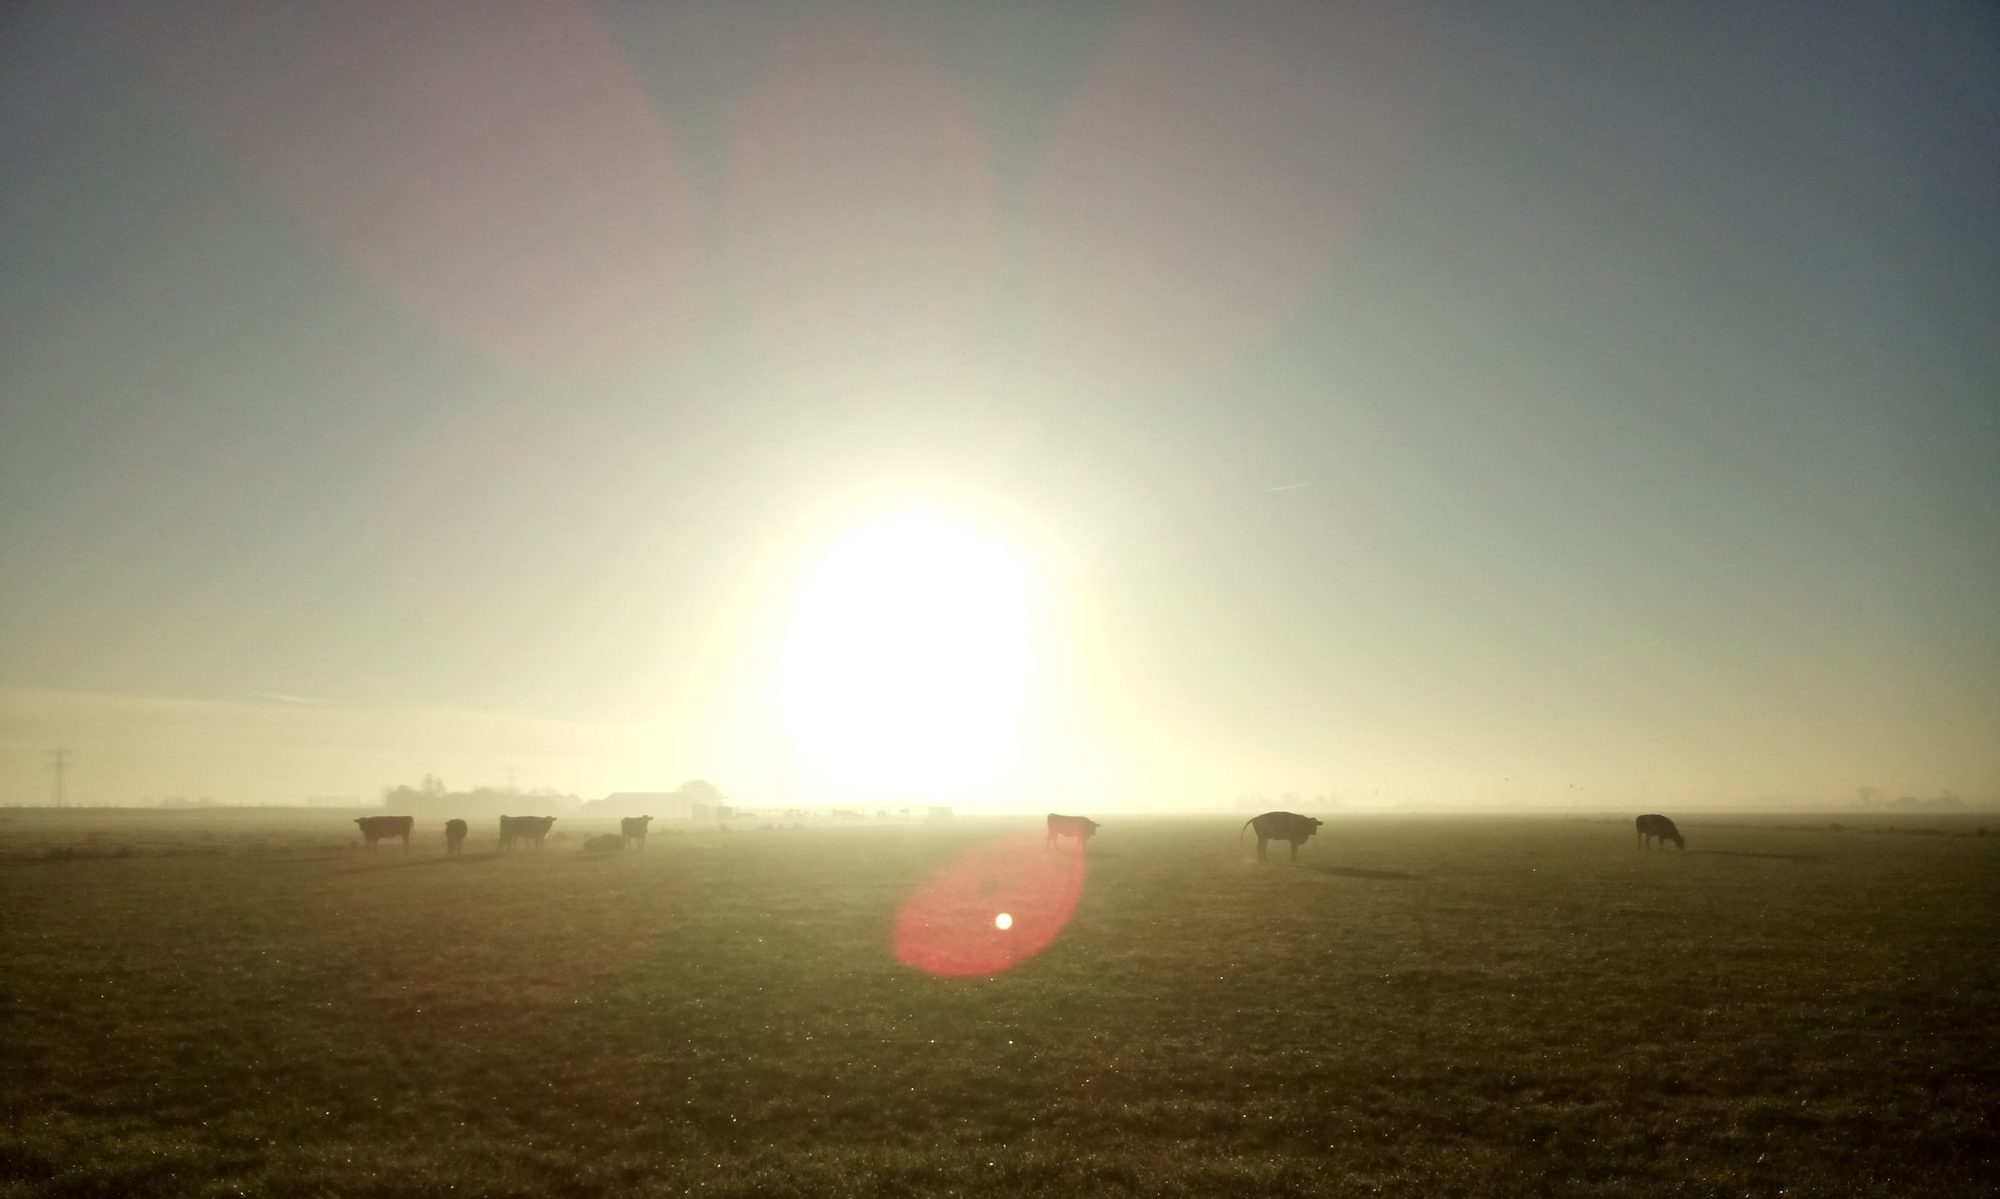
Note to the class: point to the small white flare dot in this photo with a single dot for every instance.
(1003, 921)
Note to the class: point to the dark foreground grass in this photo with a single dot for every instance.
(1419, 1007)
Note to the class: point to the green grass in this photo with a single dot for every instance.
(1419, 1007)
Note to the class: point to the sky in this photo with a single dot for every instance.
(1029, 406)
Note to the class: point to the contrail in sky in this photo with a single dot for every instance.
(279, 697)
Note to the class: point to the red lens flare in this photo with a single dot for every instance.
(991, 910)
(1203, 180)
(861, 218)
(504, 177)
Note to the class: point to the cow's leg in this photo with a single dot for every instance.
(1262, 841)
(1295, 851)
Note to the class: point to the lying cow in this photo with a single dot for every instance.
(1661, 830)
(1080, 827)
(604, 843)
(524, 828)
(1280, 826)
(378, 828)
(454, 836)
(633, 829)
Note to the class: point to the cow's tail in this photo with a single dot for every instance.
(1246, 828)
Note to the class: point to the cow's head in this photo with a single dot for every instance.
(1089, 826)
(1314, 822)
(1679, 841)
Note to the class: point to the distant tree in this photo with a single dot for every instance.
(430, 799)
(401, 796)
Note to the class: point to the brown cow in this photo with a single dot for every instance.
(524, 828)
(378, 828)
(454, 836)
(633, 828)
(1280, 826)
(1080, 827)
(1661, 830)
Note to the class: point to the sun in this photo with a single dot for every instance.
(905, 663)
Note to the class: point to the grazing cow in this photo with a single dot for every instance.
(454, 836)
(524, 828)
(607, 843)
(1280, 826)
(378, 828)
(1080, 827)
(1661, 830)
(633, 828)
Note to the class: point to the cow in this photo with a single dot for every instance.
(1280, 826)
(606, 843)
(378, 828)
(1661, 830)
(524, 828)
(454, 836)
(1080, 827)
(633, 828)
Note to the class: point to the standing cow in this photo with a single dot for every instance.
(1661, 830)
(1280, 826)
(633, 829)
(454, 837)
(524, 828)
(378, 828)
(1080, 827)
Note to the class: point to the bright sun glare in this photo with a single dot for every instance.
(905, 665)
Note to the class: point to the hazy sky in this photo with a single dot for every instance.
(1583, 404)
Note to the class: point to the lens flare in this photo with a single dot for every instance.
(948, 926)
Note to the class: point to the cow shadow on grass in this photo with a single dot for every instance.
(1744, 853)
(1365, 872)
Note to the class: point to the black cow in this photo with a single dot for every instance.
(633, 828)
(1280, 826)
(454, 836)
(1661, 830)
(378, 828)
(1080, 827)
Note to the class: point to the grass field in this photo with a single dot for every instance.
(199, 1005)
